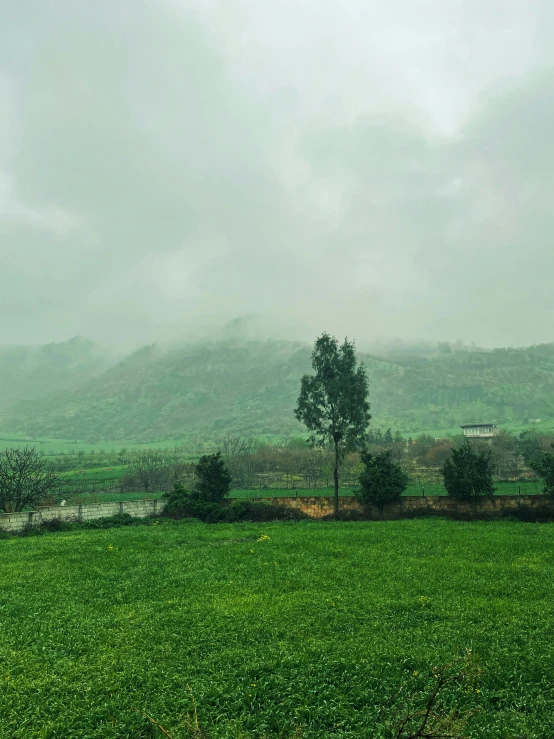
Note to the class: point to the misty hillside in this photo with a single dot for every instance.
(250, 388)
(31, 373)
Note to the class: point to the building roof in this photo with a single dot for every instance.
(476, 425)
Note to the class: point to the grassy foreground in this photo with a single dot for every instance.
(285, 630)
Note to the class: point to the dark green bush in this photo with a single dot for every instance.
(349, 515)
(56, 524)
(29, 530)
(531, 514)
(110, 522)
(213, 480)
(468, 473)
(382, 480)
(248, 510)
(181, 503)
(208, 512)
(524, 513)
(177, 502)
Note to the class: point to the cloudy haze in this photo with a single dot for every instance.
(374, 169)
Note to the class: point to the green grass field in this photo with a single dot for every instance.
(281, 630)
(533, 487)
(98, 473)
(56, 447)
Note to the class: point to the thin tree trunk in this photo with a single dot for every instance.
(336, 478)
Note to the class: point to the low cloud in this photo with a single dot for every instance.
(166, 167)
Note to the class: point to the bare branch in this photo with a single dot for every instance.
(26, 479)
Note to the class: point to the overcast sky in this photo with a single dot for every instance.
(376, 169)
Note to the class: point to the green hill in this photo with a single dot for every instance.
(250, 388)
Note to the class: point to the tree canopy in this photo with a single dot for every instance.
(382, 480)
(468, 472)
(213, 478)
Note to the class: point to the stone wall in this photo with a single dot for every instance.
(139, 508)
(318, 507)
(315, 507)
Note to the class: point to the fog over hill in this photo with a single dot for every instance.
(79, 391)
(373, 170)
(33, 372)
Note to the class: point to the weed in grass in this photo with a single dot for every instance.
(189, 724)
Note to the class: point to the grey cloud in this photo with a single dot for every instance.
(165, 167)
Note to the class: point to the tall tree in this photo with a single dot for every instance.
(26, 479)
(213, 481)
(333, 402)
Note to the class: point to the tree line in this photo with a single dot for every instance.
(294, 464)
(333, 404)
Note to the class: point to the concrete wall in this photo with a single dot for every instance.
(139, 508)
(317, 507)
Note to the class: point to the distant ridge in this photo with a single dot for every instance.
(78, 390)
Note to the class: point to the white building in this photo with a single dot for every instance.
(479, 430)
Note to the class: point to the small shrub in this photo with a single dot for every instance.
(207, 512)
(29, 529)
(239, 510)
(530, 514)
(247, 510)
(110, 522)
(349, 515)
(55, 524)
(181, 503)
